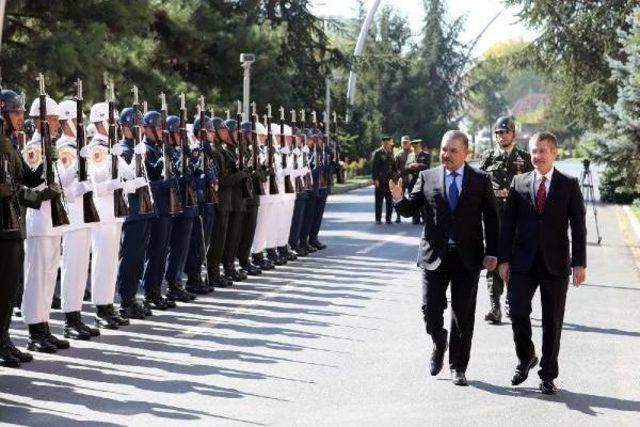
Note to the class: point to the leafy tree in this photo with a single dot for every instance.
(618, 143)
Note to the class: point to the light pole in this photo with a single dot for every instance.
(246, 59)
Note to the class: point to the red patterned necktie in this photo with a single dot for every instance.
(541, 195)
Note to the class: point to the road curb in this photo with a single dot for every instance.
(350, 187)
(633, 220)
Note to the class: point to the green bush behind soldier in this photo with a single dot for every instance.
(502, 164)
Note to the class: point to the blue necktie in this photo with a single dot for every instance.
(453, 192)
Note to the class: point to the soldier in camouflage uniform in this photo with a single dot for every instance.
(502, 164)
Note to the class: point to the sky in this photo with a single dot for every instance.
(479, 13)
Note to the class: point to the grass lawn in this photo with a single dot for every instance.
(636, 210)
(359, 179)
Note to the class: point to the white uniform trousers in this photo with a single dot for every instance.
(76, 246)
(41, 261)
(260, 236)
(105, 243)
(284, 225)
(275, 216)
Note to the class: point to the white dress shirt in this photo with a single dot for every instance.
(537, 179)
(448, 177)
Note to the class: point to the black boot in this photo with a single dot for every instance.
(252, 270)
(22, 356)
(231, 274)
(197, 287)
(59, 343)
(260, 261)
(273, 256)
(121, 321)
(72, 327)
(38, 339)
(494, 315)
(7, 358)
(299, 250)
(103, 318)
(218, 281)
(307, 247)
(132, 310)
(177, 293)
(316, 244)
(155, 301)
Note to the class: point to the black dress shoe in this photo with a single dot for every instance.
(398, 220)
(307, 247)
(7, 358)
(319, 246)
(522, 371)
(299, 250)
(59, 343)
(273, 256)
(458, 378)
(378, 222)
(22, 356)
(104, 319)
(494, 316)
(548, 387)
(169, 303)
(437, 359)
(38, 339)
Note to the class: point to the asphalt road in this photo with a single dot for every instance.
(337, 339)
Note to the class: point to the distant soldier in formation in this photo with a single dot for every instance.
(383, 168)
(502, 164)
(402, 159)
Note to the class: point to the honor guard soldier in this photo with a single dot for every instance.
(205, 174)
(298, 173)
(382, 170)
(502, 164)
(182, 227)
(137, 226)
(76, 240)
(325, 169)
(266, 204)
(44, 230)
(401, 159)
(311, 189)
(232, 184)
(14, 177)
(160, 224)
(418, 161)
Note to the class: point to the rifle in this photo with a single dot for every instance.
(308, 178)
(144, 193)
(190, 195)
(322, 182)
(336, 153)
(288, 187)
(273, 184)
(120, 208)
(175, 206)
(58, 213)
(299, 186)
(9, 217)
(210, 194)
(325, 141)
(90, 213)
(247, 185)
(258, 188)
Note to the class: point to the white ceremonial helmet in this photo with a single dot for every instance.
(67, 110)
(261, 129)
(50, 104)
(99, 112)
(275, 129)
(287, 130)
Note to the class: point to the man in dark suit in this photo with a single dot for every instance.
(534, 251)
(383, 168)
(458, 201)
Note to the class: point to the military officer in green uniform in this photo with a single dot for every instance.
(502, 164)
(383, 168)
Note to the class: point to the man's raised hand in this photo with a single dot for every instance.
(396, 190)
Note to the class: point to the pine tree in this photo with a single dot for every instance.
(618, 143)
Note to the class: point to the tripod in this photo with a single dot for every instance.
(586, 185)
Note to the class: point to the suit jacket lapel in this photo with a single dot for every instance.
(552, 187)
(528, 182)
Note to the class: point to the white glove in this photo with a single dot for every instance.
(195, 146)
(285, 150)
(79, 188)
(296, 151)
(305, 149)
(85, 152)
(140, 182)
(305, 171)
(129, 186)
(140, 149)
(117, 150)
(114, 184)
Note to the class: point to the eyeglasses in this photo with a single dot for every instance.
(500, 132)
